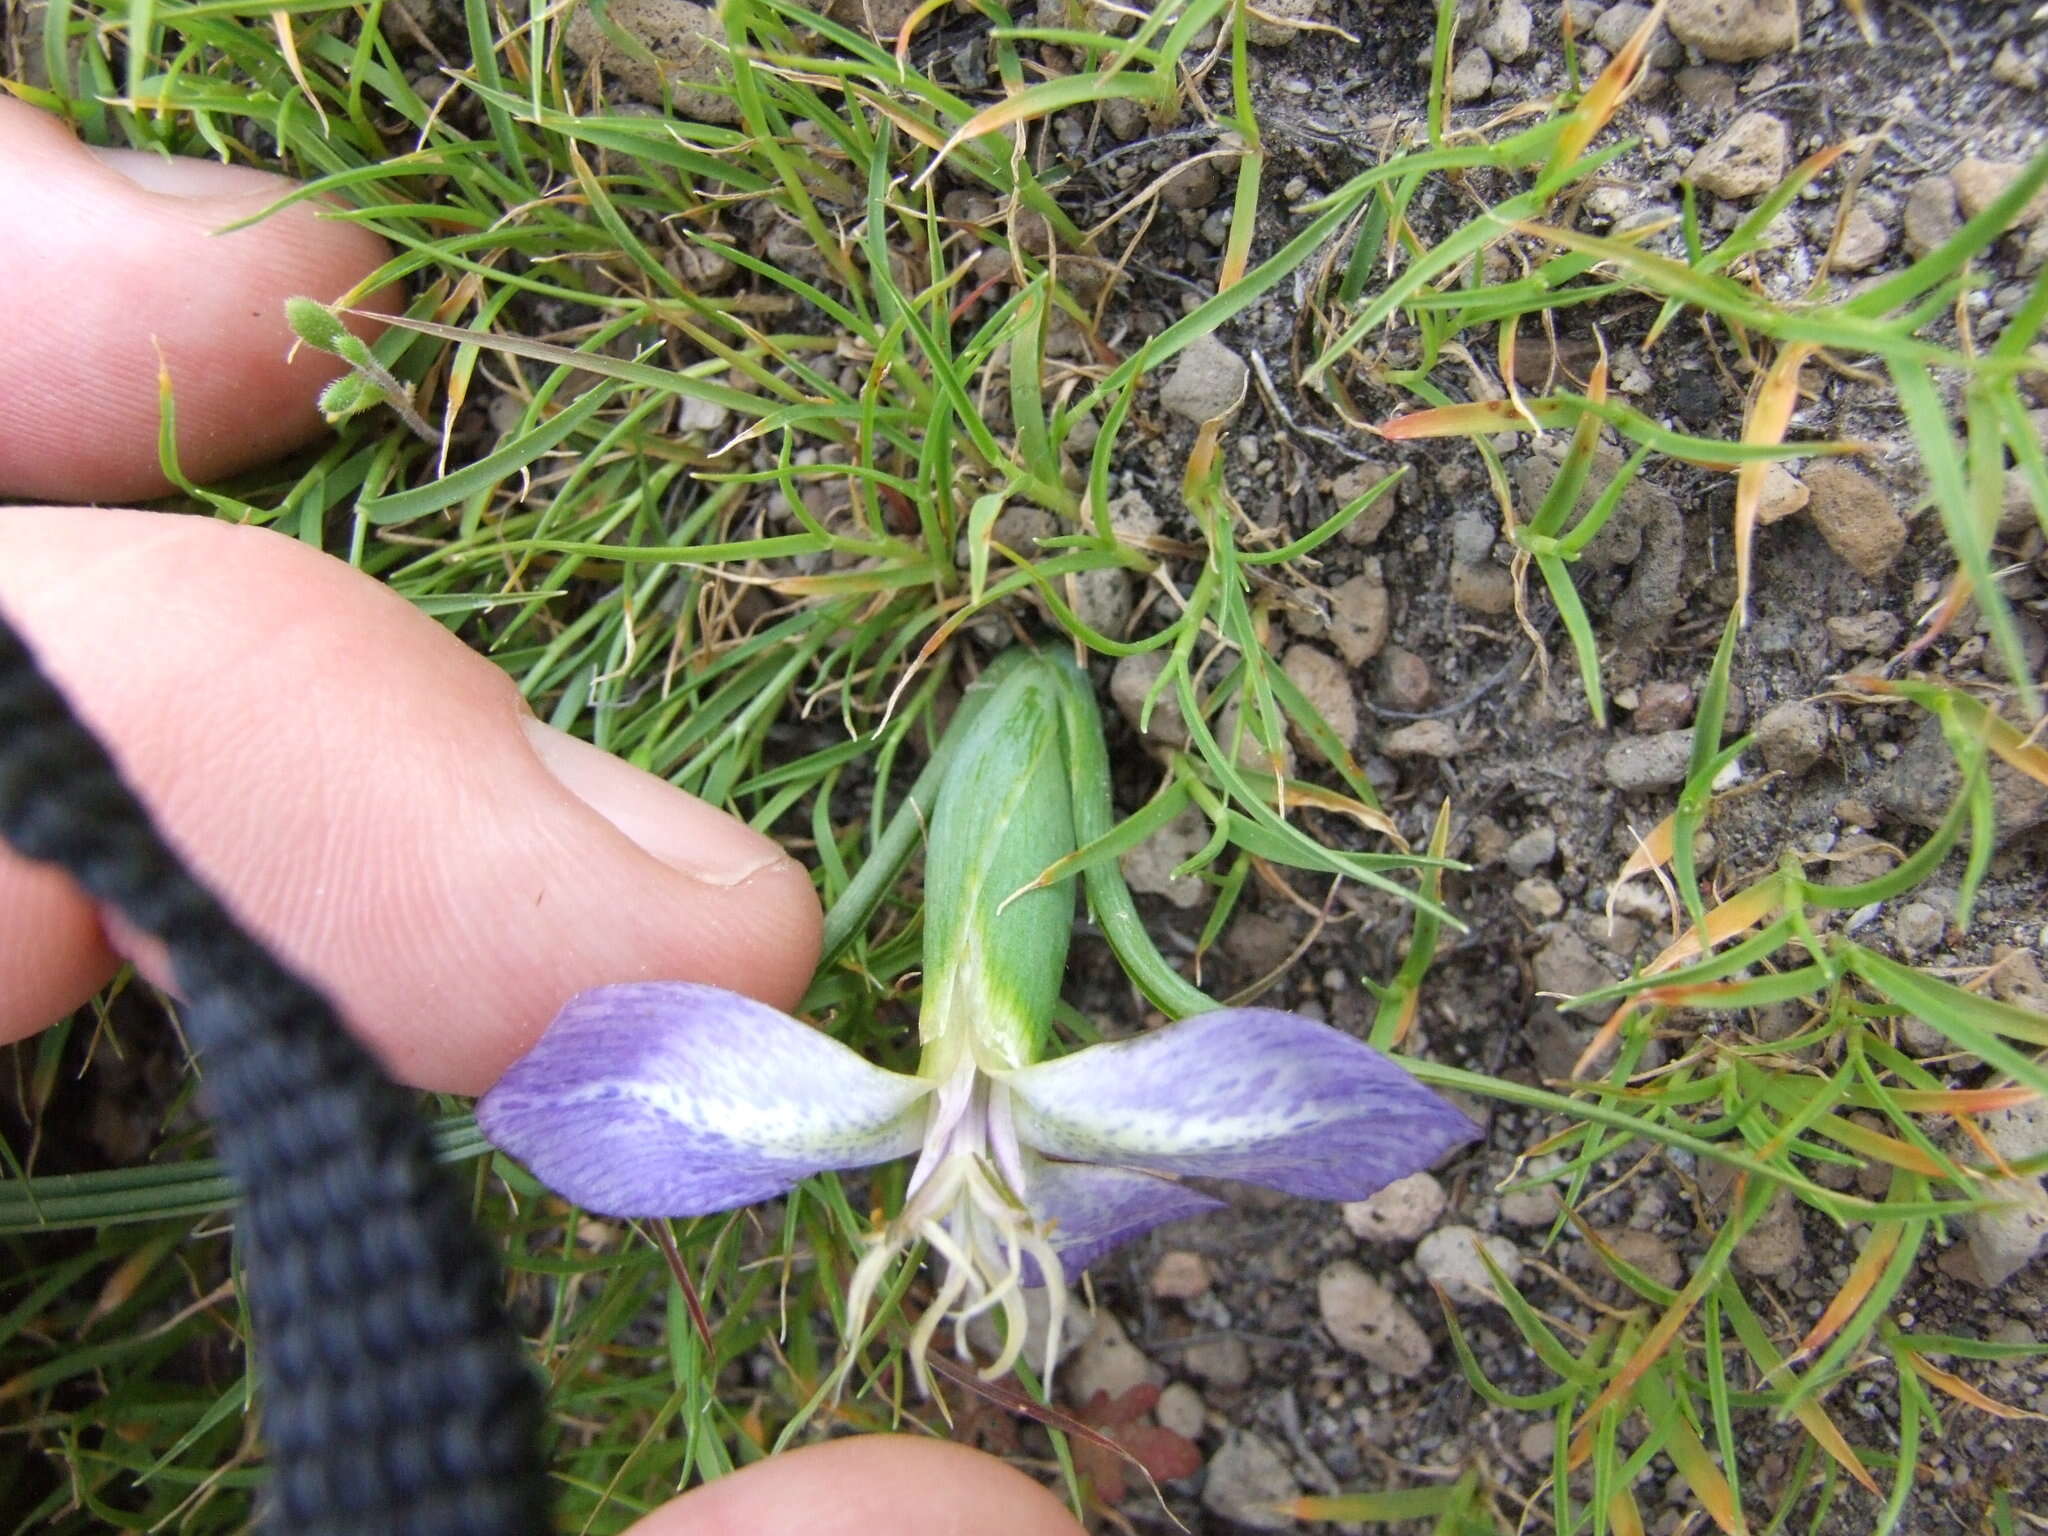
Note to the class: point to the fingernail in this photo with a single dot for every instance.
(184, 175)
(678, 829)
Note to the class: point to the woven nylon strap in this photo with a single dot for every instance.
(396, 1397)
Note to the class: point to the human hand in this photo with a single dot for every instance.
(370, 797)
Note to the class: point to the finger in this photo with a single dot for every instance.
(53, 954)
(372, 798)
(110, 261)
(865, 1486)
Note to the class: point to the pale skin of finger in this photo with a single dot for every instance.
(372, 798)
(876, 1485)
(111, 261)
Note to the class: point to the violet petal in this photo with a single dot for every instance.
(675, 1099)
(1092, 1209)
(1243, 1093)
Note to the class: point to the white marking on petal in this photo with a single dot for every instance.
(676, 1099)
(1244, 1093)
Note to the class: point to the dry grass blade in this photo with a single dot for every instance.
(1651, 854)
(1478, 418)
(1957, 1388)
(1768, 416)
(1605, 96)
(1884, 1241)
(1879, 1147)
(1999, 734)
(1737, 914)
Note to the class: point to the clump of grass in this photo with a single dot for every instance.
(717, 435)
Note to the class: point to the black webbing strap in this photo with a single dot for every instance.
(395, 1394)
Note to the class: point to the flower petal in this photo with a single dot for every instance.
(674, 1099)
(1243, 1093)
(1093, 1209)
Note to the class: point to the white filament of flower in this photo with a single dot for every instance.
(965, 1201)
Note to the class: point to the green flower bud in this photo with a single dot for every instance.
(995, 949)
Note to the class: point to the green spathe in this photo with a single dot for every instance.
(995, 949)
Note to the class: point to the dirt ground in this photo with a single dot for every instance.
(1539, 807)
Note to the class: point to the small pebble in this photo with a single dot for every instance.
(1649, 762)
(1400, 1213)
(1425, 738)
(1247, 1477)
(1274, 28)
(1864, 241)
(1326, 685)
(1708, 90)
(1131, 680)
(1449, 1257)
(1505, 34)
(1931, 214)
(1567, 967)
(1180, 1275)
(1194, 186)
(1405, 681)
(1222, 1359)
(2005, 1240)
(1746, 158)
(1208, 381)
(1108, 1362)
(1978, 184)
(1539, 898)
(1359, 616)
(1856, 516)
(1537, 1206)
(1366, 1318)
(1619, 23)
(1649, 1253)
(2014, 1330)
(1473, 535)
(1918, 927)
(1663, 706)
(2013, 68)
(1869, 633)
(1732, 31)
(686, 42)
(2016, 978)
(1180, 1408)
(1782, 494)
(1792, 736)
(1102, 599)
(1778, 1240)
(1533, 850)
(1364, 530)
(1483, 587)
(1471, 77)
(1150, 867)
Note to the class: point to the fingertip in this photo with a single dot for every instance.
(53, 956)
(867, 1484)
(367, 795)
(120, 264)
(783, 894)
(683, 833)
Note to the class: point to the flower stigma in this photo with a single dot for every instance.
(966, 1203)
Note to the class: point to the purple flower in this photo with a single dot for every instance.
(673, 1099)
